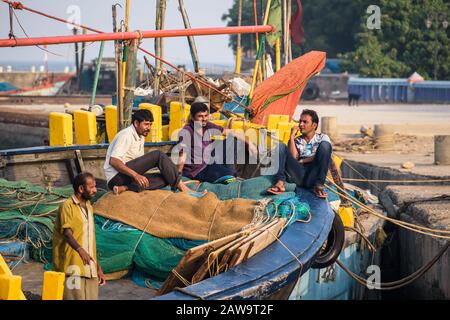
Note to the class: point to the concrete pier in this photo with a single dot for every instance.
(442, 150)
(424, 204)
(421, 206)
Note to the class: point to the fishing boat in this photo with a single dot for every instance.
(48, 85)
(277, 269)
(273, 273)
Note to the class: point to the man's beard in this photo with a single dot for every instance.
(86, 196)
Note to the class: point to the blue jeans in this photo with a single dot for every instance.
(304, 175)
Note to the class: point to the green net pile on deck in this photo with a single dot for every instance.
(27, 213)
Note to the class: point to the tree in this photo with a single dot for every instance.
(403, 44)
(329, 25)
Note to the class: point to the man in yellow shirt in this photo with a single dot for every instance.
(74, 246)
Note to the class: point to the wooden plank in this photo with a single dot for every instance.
(192, 260)
(210, 259)
(100, 153)
(79, 160)
(53, 173)
(229, 252)
(220, 252)
(258, 243)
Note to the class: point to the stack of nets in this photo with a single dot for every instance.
(28, 212)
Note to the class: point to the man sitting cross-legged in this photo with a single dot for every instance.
(126, 164)
(306, 159)
(195, 140)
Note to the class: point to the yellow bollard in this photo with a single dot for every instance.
(347, 216)
(165, 132)
(237, 125)
(7, 285)
(178, 116)
(85, 127)
(61, 130)
(214, 116)
(156, 131)
(4, 269)
(111, 122)
(220, 123)
(53, 287)
(253, 132)
(284, 130)
(274, 119)
(10, 288)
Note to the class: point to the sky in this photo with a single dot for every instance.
(97, 14)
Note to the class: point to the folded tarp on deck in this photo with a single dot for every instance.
(166, 214)
(280, 93)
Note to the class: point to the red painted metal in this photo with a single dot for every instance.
(21, 42)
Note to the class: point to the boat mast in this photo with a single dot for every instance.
(192, 46)
(289, 40)
(118, 65)
(159, 42)
(238, 41)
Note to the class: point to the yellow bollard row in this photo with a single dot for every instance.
(85, 124)
(11, 285)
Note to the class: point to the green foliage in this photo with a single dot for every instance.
(329, 26)
(404, 44)
(247, 40)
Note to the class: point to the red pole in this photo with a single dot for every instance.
(132, 35)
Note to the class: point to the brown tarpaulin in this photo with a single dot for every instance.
(280, 93)
(166, 214)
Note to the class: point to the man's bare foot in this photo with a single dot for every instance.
(119, 189)
(277, 188)
(184, 188)
(320, 192)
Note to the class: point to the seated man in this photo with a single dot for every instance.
(126, 164)
(306, 159)
(195, 138)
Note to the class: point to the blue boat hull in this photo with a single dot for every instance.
(273, 273)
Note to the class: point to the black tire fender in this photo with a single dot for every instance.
(335, 242)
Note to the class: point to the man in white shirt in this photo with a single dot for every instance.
(306, 159)
(126, 164)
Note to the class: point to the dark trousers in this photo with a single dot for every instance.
(304, 175)
(155, 159)
(214, 171)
